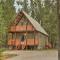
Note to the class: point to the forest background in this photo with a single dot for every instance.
(44, 11)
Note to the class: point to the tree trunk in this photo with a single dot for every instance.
(58, 15)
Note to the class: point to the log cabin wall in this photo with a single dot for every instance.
(43, 40)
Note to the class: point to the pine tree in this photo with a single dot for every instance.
(58, 15)
(7, 13)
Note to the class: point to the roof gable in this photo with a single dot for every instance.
(35, 24)
(24, 21)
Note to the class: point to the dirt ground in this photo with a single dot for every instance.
(33, 55)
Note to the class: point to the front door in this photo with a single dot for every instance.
(22, 41)
(22, 38)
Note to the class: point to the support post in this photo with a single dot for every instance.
(26, 35)
(34, 39)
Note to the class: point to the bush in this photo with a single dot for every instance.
(1, 56)
(2, 49)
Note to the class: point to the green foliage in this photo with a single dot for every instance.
(50, 21)
(0, 56)
(7, 12)
(45, 12)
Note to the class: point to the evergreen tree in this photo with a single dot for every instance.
(58, 15)
(7, 13)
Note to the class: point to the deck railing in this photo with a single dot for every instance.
(18, 42)
(21, 28)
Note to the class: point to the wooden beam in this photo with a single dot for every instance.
(26, 35)
(34, 39)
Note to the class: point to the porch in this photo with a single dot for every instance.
(23, 40)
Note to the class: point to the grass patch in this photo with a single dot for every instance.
(2, 49)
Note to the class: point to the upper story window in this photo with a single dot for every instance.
(24, 21)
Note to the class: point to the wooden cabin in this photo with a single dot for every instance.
(25, 33)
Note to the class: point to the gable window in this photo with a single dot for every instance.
(23, 22)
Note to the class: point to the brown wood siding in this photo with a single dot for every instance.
(18, 42)
(21, 28)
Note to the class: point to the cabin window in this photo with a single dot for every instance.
(14, 35)
(29, 23)
(30, 36)
(17, 35)
(10, 36)
(20, 36)
(23, 22)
